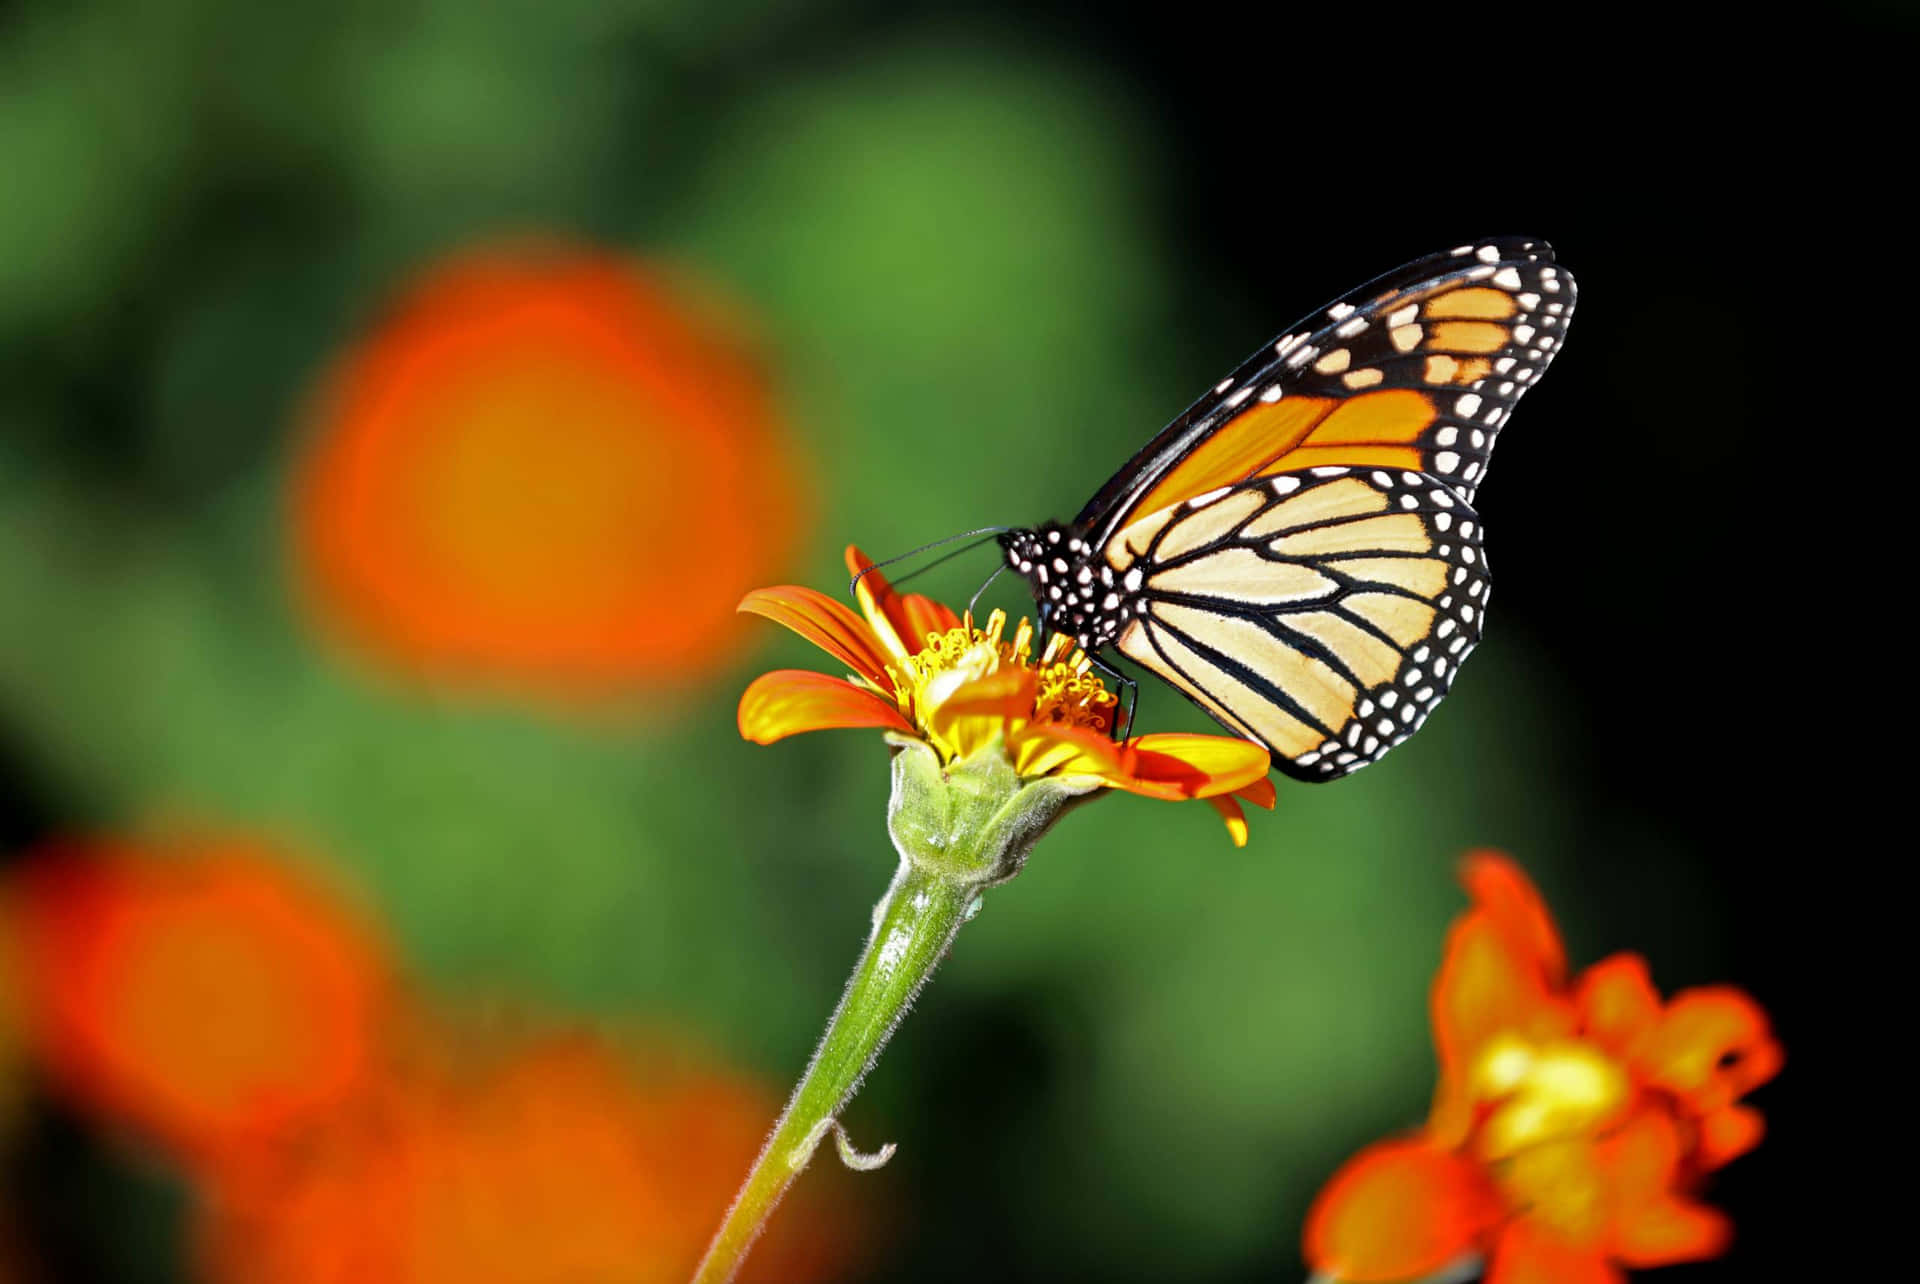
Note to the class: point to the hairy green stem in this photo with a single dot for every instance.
(912, 927)
(960, 828)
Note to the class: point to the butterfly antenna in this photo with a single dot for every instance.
(989, 531)
(974, 601)
(962, 551)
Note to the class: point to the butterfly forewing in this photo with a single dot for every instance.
(1417, 370)
(1323, 613)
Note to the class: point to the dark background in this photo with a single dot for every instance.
(1167, 189)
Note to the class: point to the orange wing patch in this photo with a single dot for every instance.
(1476, 301)
(1395, 416)
(1468, 336)
(1377, 429)
(1239, 449)
(1415, 372)
(1301, 432)
(1427, 378)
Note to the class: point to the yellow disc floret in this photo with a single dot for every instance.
(1058, 688)
(1068, 692)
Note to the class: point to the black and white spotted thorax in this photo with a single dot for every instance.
(1078, 593)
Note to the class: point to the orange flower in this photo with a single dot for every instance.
(552, 1162)
(1572, 1122)
(920, 670)
(207, 996)
(545, 471)
(11, 1077)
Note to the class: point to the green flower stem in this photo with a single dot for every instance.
(959, 829)
(916, 922)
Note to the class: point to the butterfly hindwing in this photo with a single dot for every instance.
(1417, 370)
(1323, 613)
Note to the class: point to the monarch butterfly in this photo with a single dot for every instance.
(1298, 553)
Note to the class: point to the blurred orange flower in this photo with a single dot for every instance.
(10, 1018)
(543, 470)
(1573, 1120)
(553, 1162)
(203, 994)
(920, 670)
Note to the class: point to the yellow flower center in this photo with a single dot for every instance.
(1550, 1102)
(1544, 1092)
(1065, 691)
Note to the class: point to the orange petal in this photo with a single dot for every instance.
(825, 623)
(1529, 1254)
(1727, 1134)
(1199, 765)
(1397, 1210)
(1045, 749)
(1236, 819)
(1711, 1047)
(1451, 1118)
(901, 620)
(1651, 1225)
(918, 615)
(1487, 986)
(1260, 793)
(1508, 896)
(1004, 693)
(1671, 1230)
(1642, 1156)
(1618, 1005)
(964, 715)
(788, 701)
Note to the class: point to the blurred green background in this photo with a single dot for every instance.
(988, 252)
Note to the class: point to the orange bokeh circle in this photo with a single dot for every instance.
(208, 997)
(544, 469)
(552, 1161)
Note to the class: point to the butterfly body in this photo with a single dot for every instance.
(1076, 590)
(1298, 553)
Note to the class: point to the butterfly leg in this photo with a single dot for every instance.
(1131, 698)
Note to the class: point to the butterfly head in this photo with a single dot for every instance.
(1076, 591)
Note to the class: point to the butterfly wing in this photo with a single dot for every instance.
(1416, 370)
(1323, 613)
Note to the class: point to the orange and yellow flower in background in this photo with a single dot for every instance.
(544, 471)
(555, 1160)
(13, 1097)
(918, 669)
(10, 1018)
(203, 994)
(220, 1006)
(1574, 1119)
